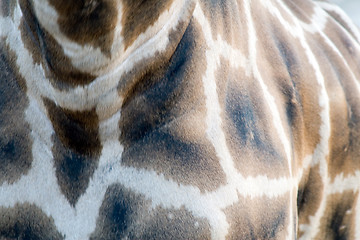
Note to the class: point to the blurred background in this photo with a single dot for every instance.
(351, 7)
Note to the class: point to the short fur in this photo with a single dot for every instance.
(179, 119)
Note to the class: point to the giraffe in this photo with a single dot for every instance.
(179, 119)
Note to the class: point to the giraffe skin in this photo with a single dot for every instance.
(179, 119)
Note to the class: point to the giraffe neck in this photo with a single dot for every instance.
(228, 119)
(94, 74)
(87, 41)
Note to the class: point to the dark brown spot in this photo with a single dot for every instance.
(26, 221)
(249, 133)
(285, 72)
(344, 104)
(77, 130)
(76, 148)
(90, 22)
(58, 66)
(258, 218)
(45, 50)
(29, 28)
(163, 119)
(292, 81)
(124, 214)
(119, 214)
(139, 15)
(282, 70)
(250, 137)
(338, 221)
(130, 84)
(309, 195)
(15, 138)
(345, 134)
(163, 83)
(73, 170)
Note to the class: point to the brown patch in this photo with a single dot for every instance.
(77, 130)
(131, 84)
(45, 50)
(344, 142)
(7, 8)
(76, 148)
(73, 170)
(29, 28)
(291, 79)
(343, 158)
(124, 214)
(226, 19)
(278, 60)
(15, 138)
(26, 221)
(258, 218)
(251, 137)
(58, 66)
(139, 15)
(90, 22)
(303, 10)
(310, 193)
(186, 159)
(119, 214)
(164, 113)
(338, 221)
(343, 42)
(175, 224)
(249, 124)
(312, 119)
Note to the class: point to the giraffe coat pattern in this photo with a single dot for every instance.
(179, 119)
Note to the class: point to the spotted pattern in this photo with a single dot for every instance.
(151, 130)
(251, 219)
(26, 221)
(15, 145)
(179, 119)
(44, 49)
(76, 148)
(337, 222)
(126, 215)
(88, 22)
(136, 18)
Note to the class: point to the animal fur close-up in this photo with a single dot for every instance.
(179, 119)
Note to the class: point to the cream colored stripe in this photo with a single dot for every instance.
(102, 88)
(277, 121)
(341, 184)
(254, 187)
(322, 17)
(167, 193)
(274, 110)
